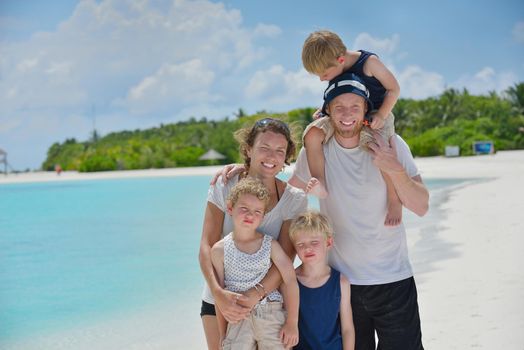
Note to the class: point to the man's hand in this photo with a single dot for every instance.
(227, 172)
(229, 304)
(384, 155)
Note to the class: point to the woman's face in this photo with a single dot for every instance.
(268, 154)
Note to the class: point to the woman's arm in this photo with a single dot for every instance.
(225, 300)
(217, 259)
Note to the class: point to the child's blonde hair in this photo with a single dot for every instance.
(252, 186)
(310, 222)
(321, 50)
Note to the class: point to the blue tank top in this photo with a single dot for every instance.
(375, 87)
(318, 317)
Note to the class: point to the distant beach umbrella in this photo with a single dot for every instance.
(212, 155)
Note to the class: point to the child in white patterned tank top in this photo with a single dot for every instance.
(241, 260)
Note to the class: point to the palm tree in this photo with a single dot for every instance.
(515, 95)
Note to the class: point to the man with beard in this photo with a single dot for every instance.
(372, 256)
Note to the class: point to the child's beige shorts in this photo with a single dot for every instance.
(261, 330)
(366, 135)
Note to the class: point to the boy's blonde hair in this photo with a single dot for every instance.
(321, 50)
(252, 186)
(311, 222)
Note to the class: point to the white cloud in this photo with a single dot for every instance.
(27, 65)
(106, 48)
(267, 30)
(172, 84)
(278, 90)
(518, 32)
(485, 81)
(386, 46)
(417, 83)
(151, 58)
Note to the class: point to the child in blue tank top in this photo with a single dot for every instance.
(325, 319)
(325, 55)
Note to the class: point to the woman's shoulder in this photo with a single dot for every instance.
(224, 187)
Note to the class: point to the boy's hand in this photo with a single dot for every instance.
(377, 121)
(289, 335)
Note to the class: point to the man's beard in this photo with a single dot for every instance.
(349, 133)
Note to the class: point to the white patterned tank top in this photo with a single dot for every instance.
(243, 271)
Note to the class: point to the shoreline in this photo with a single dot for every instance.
(471, 167)
(51, 176)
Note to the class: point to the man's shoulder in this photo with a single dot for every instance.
(401, 145)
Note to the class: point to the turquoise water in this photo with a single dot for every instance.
(80, 251)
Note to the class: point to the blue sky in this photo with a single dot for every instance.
(136, 64)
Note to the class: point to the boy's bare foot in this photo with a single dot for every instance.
(394, 215)
(315, 188)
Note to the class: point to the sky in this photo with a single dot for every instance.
(67, 66)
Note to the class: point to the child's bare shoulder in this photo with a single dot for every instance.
(218, 246)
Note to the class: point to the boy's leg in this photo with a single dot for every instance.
(394, 214)
(240, 336)
(362, 320)
(268, 320)
(315, 135)
(396, 316)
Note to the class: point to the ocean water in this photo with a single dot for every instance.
(80, 252)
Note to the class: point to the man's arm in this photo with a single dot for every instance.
(411, 190)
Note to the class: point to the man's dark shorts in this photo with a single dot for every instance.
(392, 310)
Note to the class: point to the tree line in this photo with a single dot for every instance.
(452, 118)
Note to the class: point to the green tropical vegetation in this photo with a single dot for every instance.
(453, 118)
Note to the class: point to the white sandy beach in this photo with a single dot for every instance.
(468, 264)
(473, 294)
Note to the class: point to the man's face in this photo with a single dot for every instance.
(347, 114)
